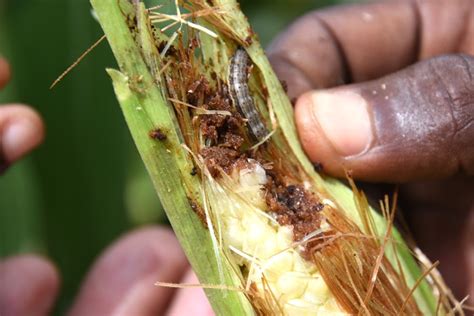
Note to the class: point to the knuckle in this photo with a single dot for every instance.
(457, 70)
(454, 75)
(304, 51)
(289, 46)
(455, 82)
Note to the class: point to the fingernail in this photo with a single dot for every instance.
(344, 118)
(17, 139)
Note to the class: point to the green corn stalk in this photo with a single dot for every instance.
(163, 135)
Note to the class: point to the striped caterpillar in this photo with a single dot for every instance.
(240, 93)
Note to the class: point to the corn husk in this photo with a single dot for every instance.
(249, 262)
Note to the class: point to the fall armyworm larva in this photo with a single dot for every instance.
(240, 93)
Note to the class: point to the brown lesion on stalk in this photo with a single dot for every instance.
(198, 210)
(131, 20)
(251, 35)
(135, 83)
(157, 134)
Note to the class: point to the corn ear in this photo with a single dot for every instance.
(146, 110)
(357, 262)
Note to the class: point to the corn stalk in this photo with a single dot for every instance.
(172, 86)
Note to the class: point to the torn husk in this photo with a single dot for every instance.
(215, 129)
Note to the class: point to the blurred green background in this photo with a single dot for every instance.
(86, 185)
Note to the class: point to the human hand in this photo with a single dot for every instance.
(413, 126)
(352, 44)
(21, 128)
(121, 282)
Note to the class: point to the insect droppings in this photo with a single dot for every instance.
(157, 134)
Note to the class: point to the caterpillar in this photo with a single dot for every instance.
(240, 93)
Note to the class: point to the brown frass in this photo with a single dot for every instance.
(219, 158)
(226, 138)
(223, 134)
(295, 206)
(222, 130)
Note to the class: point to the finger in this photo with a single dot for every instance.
(452, 251)
(21, 130)
(190, 301)
(441, 217)
(122, 281)
(415, 124)
(4, 72)
(28, 286)
(361, 42)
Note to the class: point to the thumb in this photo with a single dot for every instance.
(415, 124)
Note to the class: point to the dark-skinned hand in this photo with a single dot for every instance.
(394, 104)
(402, 111)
